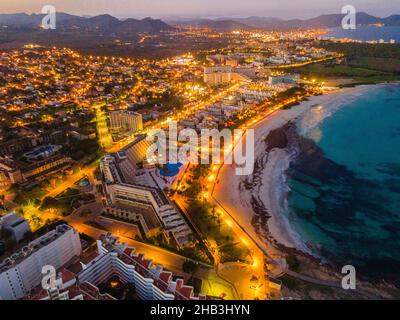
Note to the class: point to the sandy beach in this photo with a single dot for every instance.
(254, 200)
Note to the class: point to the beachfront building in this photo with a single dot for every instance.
(151, 282)
(66, 287)
(112, 260)
(22, 271)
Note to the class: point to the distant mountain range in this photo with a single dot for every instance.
(323, 21)
(107, 24)
(102, 23)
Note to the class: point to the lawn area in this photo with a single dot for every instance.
(219, 233)
(365, 63)
(209, 221)
(323, 71)
(66, 202)
(382, 64)
(36, 216)
(103, 134)
(216, 287)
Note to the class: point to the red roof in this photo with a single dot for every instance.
(165, 276)
(142, 261)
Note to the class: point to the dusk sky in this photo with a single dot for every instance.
(222, 8)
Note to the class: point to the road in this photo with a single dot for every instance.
(230, 216)
(169, 260)
(103, 132)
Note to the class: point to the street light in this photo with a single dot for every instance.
(229, 223)
(255, 263)
(211, 178)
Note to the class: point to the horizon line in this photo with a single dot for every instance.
(189, 16)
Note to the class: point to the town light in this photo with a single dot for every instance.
(255, 263)
(229, 223)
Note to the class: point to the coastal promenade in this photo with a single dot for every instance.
(230, 210)
(260, 253)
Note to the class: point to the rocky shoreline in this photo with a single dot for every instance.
(288, 140)
(251, 199)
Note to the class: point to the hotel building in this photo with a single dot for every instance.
(22, 271)
(225, 74)
(112, 260)
(151, 282)
(126, 121)
(146, 205)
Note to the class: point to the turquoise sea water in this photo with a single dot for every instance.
(344, 197)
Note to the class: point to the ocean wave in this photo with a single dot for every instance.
(309, 122)
(280, 205)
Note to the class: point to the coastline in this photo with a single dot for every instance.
(253, 198)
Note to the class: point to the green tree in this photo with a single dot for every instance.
(189, 267)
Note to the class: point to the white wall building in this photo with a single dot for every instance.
(150, 282)
(224, 74)
(160, 211)
(17, 225)
(123, 120)
(22, 271)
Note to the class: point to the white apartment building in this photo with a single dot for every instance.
(22, 271)
(17, 225)
(255, 94)
(151, 282)
(224, 74)
(126, 121)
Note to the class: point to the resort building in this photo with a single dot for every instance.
(126, 121)
(146, 205)
(225, 74)
(114, 260)
(66, 287)
(20, 172)
(42, 152)
(136, 151)
(151, 282)
(22, 271)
